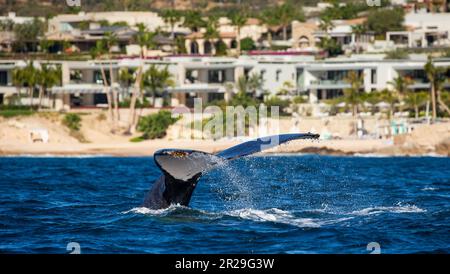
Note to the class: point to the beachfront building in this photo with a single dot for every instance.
(215, 78)
(343, 33)
(6, 86)
(7, 35)
(423, 30)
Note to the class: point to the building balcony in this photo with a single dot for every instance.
(328, 84)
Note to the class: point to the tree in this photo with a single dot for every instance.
(47, 77)
(110, 42)
(255, 84)
(331, 46)
(145, 40)
(326, 25)
(390, 98)
(96, 53)
(7, 25)
(171, 17)
(157, 80)
(268, 18)
(239, 20)
(247, 44)
(193, 20)
(285, 14)
(212, 32)
(352, 94)
(381, 21)
(436, 77)
(28, 33)
(415, 100)
(358, 31)
(401, 86)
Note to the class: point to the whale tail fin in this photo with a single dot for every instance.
(262, 144)
(186, 164)
(183, 168)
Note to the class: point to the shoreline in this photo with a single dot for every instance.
(353, 148)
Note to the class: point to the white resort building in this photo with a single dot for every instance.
(209, 78)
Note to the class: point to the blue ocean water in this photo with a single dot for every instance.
(276, 204)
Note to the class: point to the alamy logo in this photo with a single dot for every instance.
(74, 248)
(374, 247)
(73, 3)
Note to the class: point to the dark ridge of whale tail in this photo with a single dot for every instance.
(182, 169)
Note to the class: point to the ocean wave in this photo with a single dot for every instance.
(429, 189)
(278, 216)
(156, 212)
(274, 215)
(388, 209)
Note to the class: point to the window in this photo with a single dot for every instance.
(216, 76)
(215, 97)
(3, 78)
(263, 73)
(278, 73)
(98, 79)
(373, 76)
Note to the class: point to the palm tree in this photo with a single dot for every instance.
(157, 80)
(26, 76)
(47, 77)
(401, 86)
(110, 43)
(212, 32)
(326, 25)
(96, 53)
(268, 18)
(18, 79)
(193, 20)
(171, 17)
(390, 98)
(358, 31)
(437, 78)
(352, 94)
(255, 83)
(285, 14)
(416, 100)
(145, 39)
(239, 20)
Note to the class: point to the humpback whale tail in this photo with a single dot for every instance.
(182, 169)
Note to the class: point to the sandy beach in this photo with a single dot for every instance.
(15, 140)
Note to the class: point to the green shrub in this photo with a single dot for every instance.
(137, 139)
(155, 126)
(72, 121)
(247, 44)
(221, 48)
(277, 101)
(8, 111)
(299, 100)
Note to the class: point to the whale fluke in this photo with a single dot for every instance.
(182, 169)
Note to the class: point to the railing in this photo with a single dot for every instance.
(328, 82)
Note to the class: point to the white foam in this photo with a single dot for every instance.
(156, 212)
(388, 209)
(274, 215)
(429, 189)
